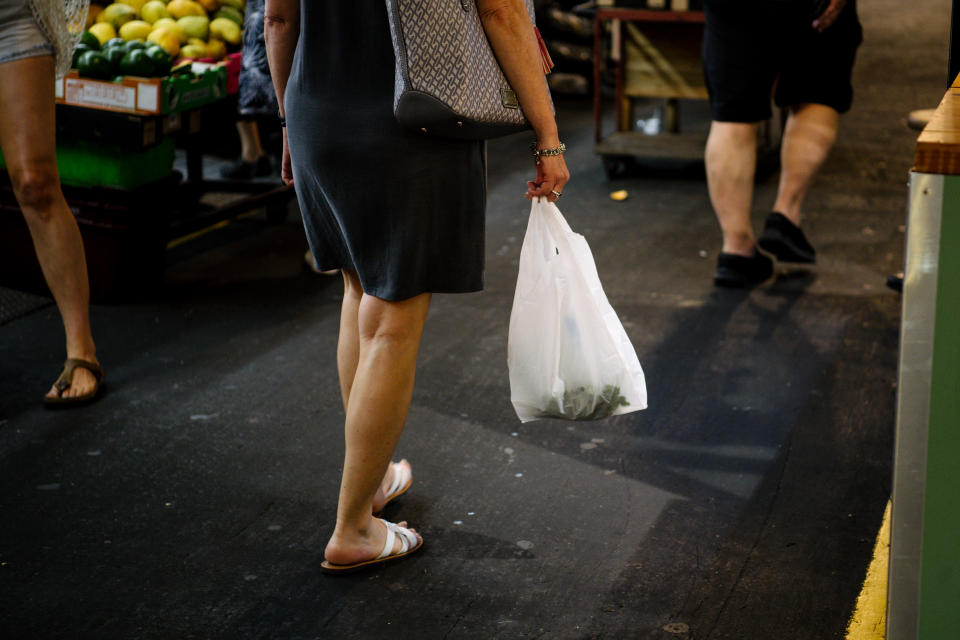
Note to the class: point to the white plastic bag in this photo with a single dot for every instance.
(567, 352)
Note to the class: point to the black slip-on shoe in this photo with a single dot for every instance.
(785, 240)
(241, 170)
(740, 271)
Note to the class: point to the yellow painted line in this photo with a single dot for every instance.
(869, 620)
(176, 242)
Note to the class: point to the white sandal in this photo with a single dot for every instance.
(402, 479)
(409, 543)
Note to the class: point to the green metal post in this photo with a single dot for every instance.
(924, 578)
(939, 612)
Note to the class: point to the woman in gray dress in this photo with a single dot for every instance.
(400, 213)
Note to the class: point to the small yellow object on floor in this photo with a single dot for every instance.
(619, 195)
(869, 619)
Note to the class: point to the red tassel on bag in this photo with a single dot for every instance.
(545, 60)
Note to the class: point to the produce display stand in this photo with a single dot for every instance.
(181, 102)
(115, 146)
(923, 581)
(662, 62)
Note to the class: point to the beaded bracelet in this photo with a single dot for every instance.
(538, 153)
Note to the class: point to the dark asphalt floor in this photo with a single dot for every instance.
(194, 500)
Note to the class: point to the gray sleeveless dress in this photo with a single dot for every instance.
(404, 210)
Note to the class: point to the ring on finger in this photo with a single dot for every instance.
(556, 193)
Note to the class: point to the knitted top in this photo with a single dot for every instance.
(62, 22)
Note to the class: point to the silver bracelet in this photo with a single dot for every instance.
(538, 153)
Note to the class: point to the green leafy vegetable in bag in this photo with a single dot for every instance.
(584, 403)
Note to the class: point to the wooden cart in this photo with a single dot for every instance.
(662, 63)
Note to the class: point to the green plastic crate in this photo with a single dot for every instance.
(88, 164)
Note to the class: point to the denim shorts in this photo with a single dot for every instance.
(20, 36)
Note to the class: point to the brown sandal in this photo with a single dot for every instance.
(66, 379)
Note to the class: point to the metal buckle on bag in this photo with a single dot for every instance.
(509, 99)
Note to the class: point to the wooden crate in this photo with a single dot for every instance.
(663, 61)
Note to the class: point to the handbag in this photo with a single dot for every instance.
(448, 82)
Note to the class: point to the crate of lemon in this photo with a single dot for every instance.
(135, 55)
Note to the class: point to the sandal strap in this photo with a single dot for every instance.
(388, 543)
(400, 477)
(66, 376)
(407, 538)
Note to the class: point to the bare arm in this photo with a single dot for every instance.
(829, 15)
(508, 28)
(281, 30)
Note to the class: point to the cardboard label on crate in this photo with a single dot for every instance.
(148, 97)
(144, 96)
(99, 94)
(680, 5)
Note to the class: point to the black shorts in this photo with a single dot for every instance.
(751, 46)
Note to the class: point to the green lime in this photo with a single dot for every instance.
(162, 61)
(79, 51)
(113, 42)
(135, 45)
(90, 40)
(93, 64)
(115, 55)
(136, 63)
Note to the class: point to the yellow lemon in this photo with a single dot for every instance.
(195, 26)
(154, 10)
(136, 5)
(216, 49)
(193, 51)
(117, 14)
(181, 8)
(226, 30)
(210, 5)
(171, 25)
(103, 31)
(136, 30)
(166, 39)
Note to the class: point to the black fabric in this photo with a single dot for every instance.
(255, 96)
(750, 47)
(404, 210)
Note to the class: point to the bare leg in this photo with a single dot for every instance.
(348, 352)
(27, 137)
(379, 399)
(807, 139)
(731, 159)
(250, 147)
(348, 345)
